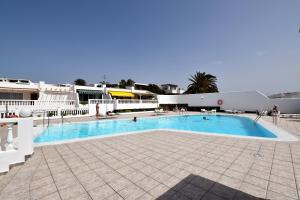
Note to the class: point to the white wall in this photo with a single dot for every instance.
(135, 106)
(103, 108)
(247, 101)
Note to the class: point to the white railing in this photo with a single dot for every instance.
(120, 104)
(61, 112)
(128, 101)
(14, 106)
(150, 101)
(133, 101)
(17, 141)
(101, 101)
(76, 111)
(32, 103)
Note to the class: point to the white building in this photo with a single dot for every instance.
(16, 94)
(171, 89)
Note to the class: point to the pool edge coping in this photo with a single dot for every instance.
(281, 134)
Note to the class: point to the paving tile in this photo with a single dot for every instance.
(53, 196)
(84, 196)
(230, 182)
(41, 182)
(179, 163)
(223, 191)
(132, 192)
(111, 176)
(71, 192)
(211, 196)
(277, 196)
(101, 192)
(120, 184)
(160, 176)
(114, 197)
(253, 190)
(192, 191)
(284, 190)
(146, 197)
(158, 190)
(135, 176)
(259, 182)
(147, 183)
(43, 191)
(172, 181)
(290, 182)
(65, 183)
(259, 174)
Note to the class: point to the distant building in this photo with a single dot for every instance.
(18, 89)
(172, 89)
(285, 95)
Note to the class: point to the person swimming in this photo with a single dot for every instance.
(205, 118)
(134, 119)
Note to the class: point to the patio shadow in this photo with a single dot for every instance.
(197, 187)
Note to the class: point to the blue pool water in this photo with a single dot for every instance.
(220, 124)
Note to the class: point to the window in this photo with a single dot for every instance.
(16, 96)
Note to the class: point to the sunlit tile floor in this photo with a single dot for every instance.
(160, 165)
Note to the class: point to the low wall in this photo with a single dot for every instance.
(246, 101)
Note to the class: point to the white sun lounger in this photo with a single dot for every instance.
(229, 111)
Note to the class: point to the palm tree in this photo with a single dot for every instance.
(202, 83)
(80, 81)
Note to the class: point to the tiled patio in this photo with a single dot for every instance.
(159, 165)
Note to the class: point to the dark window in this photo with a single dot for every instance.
(18, 96)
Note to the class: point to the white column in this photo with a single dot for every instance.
(10, 145)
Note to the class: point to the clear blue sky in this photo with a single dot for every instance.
(247, 44)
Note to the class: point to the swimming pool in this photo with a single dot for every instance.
(217, 124)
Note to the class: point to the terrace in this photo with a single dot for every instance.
(160, 165)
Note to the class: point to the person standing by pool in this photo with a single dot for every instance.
(275, 114)
(97, 110)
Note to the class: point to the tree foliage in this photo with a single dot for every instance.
(202, 83)
(155, 89)
(80, 81)
(123, 83)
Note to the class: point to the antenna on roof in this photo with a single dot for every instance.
(104, 78)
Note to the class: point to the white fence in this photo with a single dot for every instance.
(15, 145)
(60, 112)
(124, 104)
(14, 106)
(246, 101)
(106, 105)
(35, 103)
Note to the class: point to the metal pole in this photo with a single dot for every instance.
(48, 119)
(44, 118)
(6, 110)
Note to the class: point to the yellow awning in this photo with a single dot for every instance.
(121, 94)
